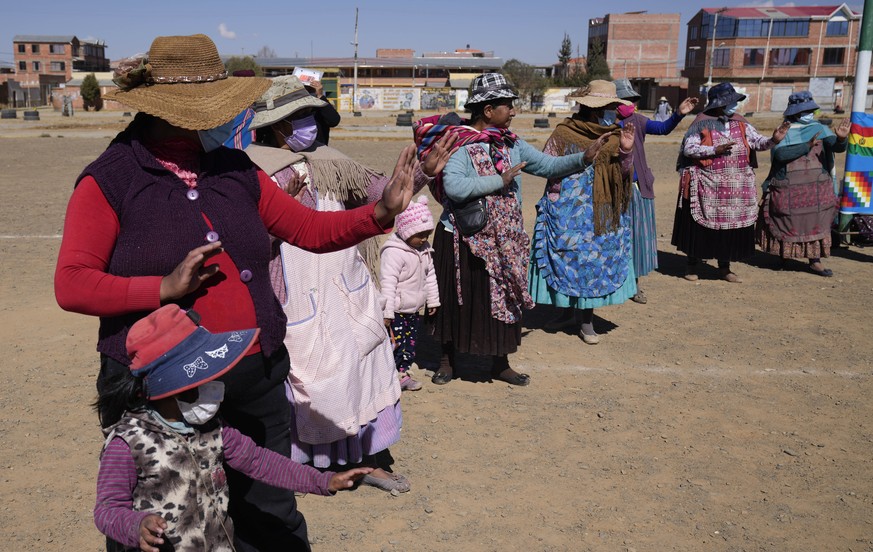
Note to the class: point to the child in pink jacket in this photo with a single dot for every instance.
(408, 283)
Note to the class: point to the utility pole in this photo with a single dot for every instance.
(355, 77)
(712, 48)
(854, 200)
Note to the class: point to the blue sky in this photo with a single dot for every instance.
(527, 30)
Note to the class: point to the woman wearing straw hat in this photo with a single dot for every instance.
(800, 193)
(481, 269)
(165, 215)
(343, 386)
(717, 207)
(581, 257)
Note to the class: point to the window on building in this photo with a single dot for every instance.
(790, 27)
(22, 48)
(789, 56)
(753, 57)
(34, 48)
(721, 57)
(837, 28)
(691, 58)
(833, 56)
(693, 33)
(35, 65)
(22, 66)
(59, 66)
(753, 27)
(56, 48)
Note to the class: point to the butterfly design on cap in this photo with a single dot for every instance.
(198, 364)
(221, 352)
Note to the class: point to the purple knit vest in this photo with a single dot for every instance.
(645, 178)
(159, 225)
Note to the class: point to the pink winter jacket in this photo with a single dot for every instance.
(407, 277)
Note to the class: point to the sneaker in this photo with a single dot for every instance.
(409, 384)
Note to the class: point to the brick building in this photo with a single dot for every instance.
(642, 47)
(44, 63)
(770, 52)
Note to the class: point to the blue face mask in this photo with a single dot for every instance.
(608, 117)
(214, 137)
(730, 109)
(806, 118)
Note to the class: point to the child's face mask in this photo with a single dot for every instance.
(206, 406)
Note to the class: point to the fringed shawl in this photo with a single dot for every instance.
(611, 188)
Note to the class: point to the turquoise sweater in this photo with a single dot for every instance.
(461, 181)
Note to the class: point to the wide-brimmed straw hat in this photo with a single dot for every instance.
(488, 87)
(800, 102)
(173, 353)
(285, 96)
(183, 81)
(722, 95)
(598, 93)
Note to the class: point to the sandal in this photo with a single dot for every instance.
(691, 273)
(639, 297)
(395, 482)
(731, 277)
(441, 378)
(517, 379)
(826, 272)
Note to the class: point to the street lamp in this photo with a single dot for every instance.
(712, 52)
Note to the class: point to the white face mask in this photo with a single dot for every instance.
(608, 117)
(213, 138)
(731, 109)
(305, 131)
(806, 118)
(206, 406)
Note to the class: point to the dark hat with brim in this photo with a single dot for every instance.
(800, 102)
(722, 95)
(489, 87)
(625, 90)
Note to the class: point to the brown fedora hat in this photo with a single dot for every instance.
(184, 82)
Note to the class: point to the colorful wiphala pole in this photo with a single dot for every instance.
(858, 180)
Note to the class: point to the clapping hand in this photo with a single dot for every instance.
(509, 175)
(439, 155)
(594, 148)
(687, 106)
(812, 140)
(781, 131)
(842, 131)
(190, 273)
(724, 148)
(626, 137)
(295, 183)
(398, 191)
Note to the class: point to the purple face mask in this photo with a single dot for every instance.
(305, 131)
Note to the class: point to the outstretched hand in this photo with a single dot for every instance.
(842, 131)
(346, 479)
(439, 155)
(626, 138)
(687, 105)
(398, 191)
(781, 131)
(295, 183)
(151, 529)
(190, 273)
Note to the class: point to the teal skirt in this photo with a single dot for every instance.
(544, 295)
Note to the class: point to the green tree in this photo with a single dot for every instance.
(528, 82)
(596, 65)
(238, 63)
(564, 55)
(90, 91)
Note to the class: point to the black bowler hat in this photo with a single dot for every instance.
(722, 95)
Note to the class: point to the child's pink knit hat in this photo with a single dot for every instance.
(416, 218)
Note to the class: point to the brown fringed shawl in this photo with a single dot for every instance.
(612, 189)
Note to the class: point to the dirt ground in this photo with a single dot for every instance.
(718, 417)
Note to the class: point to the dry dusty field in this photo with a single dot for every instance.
(718, 417)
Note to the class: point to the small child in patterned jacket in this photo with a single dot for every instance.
(408, 282)
(161, 482)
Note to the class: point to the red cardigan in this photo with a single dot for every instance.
(91, 228)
